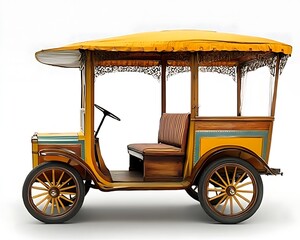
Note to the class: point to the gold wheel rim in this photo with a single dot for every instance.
(53, 192)
(232, 188)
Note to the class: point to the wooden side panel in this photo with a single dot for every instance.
(253, 133)
(238, 123)
(76, 148)
(163, 168)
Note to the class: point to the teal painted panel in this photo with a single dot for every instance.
(52, 140)
(57, 138)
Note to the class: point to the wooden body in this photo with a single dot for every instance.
(207, 134)
(253, 133)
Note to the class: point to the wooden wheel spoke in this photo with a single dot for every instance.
(222, 200)
(39, 188)
(65, 182)
(46, 205)
(242, 197)
(244, 191)
(67, 199)
(52, 206)
(53, 177)
(215, 190)
(238, 202)
(44, 184)
(225, 204)
(243, 185)
(47, 179)
(240, 179)
(219, 184)
(43, 200)
(61, 204)
(220, 177)
(234, 174)
(231, 205)
(39, 195)
(68, 193)
(60, 178)
(227, 177)
(66, 188)
(57, 205)
(215, 197)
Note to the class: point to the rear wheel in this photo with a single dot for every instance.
(53, 192)
(238, 186)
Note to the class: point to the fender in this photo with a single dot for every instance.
(66, 156)
(232, 151)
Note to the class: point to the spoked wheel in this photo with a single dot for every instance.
(53, 192)
(235, 185)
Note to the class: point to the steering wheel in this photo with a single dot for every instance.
(107, 113)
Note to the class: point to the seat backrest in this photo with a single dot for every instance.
(173, 129)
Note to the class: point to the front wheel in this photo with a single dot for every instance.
(53, 192)
(238, 186)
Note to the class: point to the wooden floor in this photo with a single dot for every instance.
(127, 176)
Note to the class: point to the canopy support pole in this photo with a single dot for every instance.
(275, 85)
(163, 85)
(194, 85)
(239, 80)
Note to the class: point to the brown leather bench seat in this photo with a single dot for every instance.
(162, 161)
(141, 149)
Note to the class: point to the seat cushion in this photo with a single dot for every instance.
(153, 149)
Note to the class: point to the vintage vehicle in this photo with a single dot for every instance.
(217, 160)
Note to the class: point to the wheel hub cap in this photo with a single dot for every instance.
(54, 192)
(230, 191)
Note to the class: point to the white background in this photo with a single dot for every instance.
(36, 97)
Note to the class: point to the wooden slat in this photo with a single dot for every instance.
(233, 123)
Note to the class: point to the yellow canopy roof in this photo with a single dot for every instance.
(163, 41)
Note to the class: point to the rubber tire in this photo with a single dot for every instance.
(202, 191)
(26, 192)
